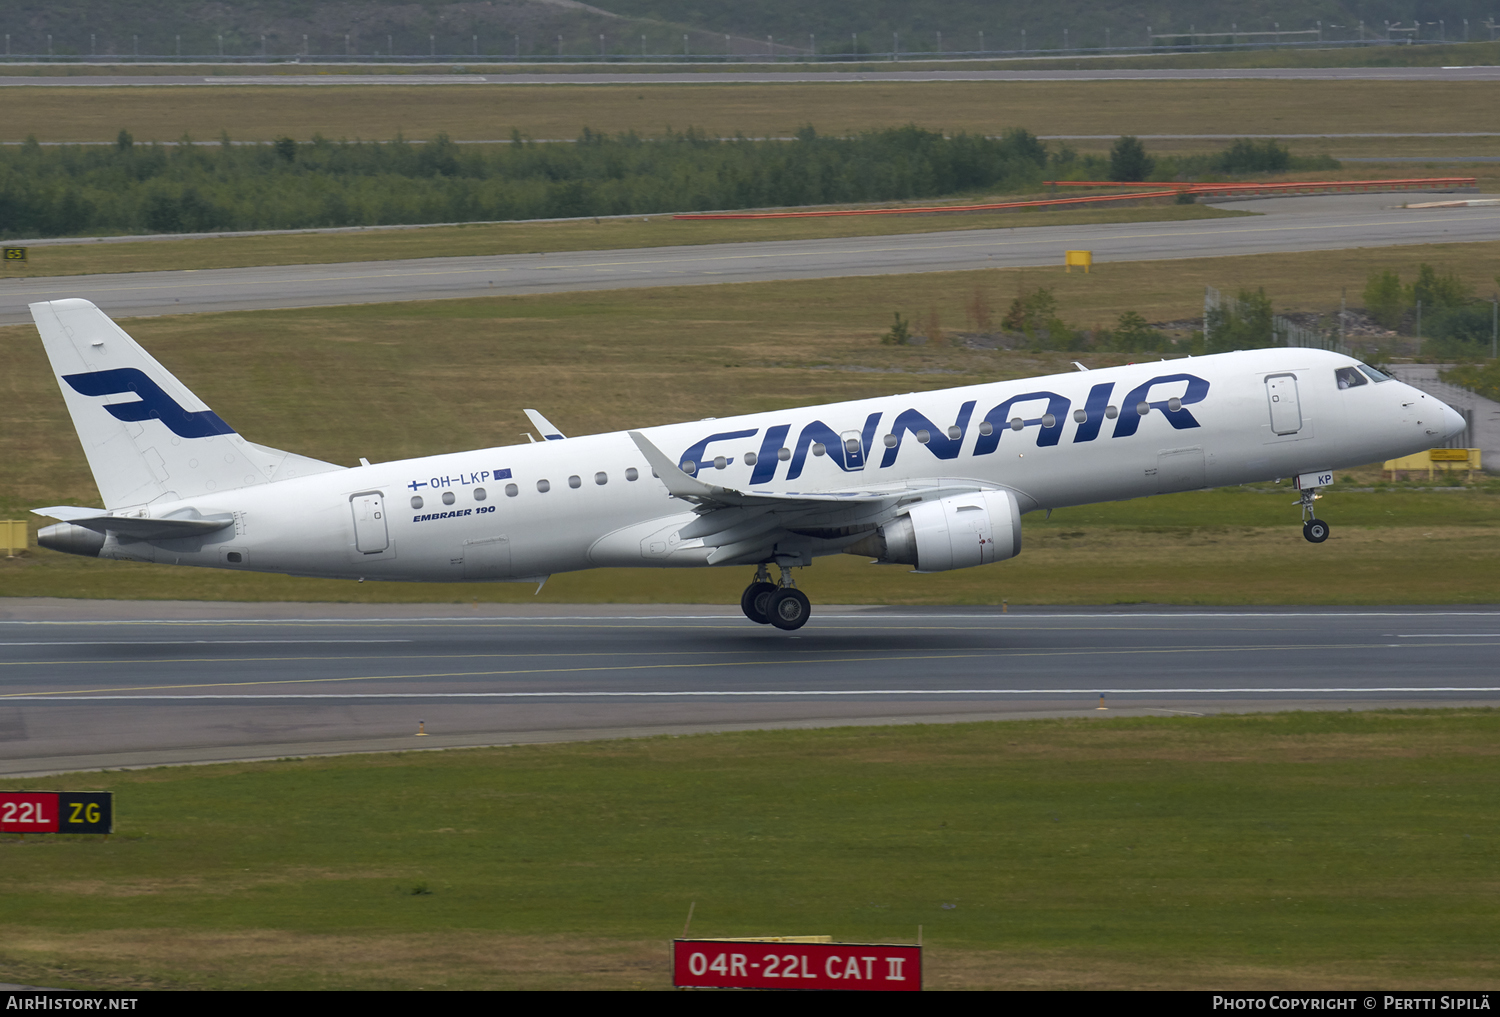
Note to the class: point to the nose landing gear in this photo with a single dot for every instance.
(1313, 528)
(767, 603)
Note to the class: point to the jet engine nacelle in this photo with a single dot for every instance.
(956, 532)
(71, 539)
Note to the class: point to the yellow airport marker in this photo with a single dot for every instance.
(1101, 705)
(421, 729)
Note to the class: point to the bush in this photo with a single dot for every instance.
(1128, 160)
(1133, 335)
(900, 333)
(1246, 156)
(1241, 324)
(1384, 299)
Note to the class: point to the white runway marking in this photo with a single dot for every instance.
(727, 694)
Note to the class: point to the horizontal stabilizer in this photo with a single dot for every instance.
(139, 527)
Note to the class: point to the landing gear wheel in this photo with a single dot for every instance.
(756, 602)
(1315, 530)
(789, 608)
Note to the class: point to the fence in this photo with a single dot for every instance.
(1283, 331)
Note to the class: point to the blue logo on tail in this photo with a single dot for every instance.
(153, 402)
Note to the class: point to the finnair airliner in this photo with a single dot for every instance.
(936, 480)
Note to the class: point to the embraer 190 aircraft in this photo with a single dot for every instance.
(937, 480)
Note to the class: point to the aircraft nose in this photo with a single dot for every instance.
(1453, 422)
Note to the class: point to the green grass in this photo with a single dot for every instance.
(1292, 850)
(263, 113)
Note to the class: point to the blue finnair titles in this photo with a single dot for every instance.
(936, 480)
(1167, 394)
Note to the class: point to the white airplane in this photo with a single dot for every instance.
(938, 480)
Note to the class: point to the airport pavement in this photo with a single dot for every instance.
(101, 684)
(718, 74)
(1322, 222)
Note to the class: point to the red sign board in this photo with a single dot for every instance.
(725, 964)
(56, 811)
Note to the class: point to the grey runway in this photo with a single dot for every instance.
(715, 75)
(1289, 224)
(87, 687)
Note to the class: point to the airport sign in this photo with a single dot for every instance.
(741, 964)
(57, 811)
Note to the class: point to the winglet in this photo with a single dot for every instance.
(679, 483)
(548, 430)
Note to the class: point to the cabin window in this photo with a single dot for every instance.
(632, 474)
(720, 462)
(511, 490)
(923, 437)
(1048, 420)
(986, 428)
(480, 494)
(689, 467)
(1143, 407)
(543, 486)
(851, 445)
(1348, 377)
(1016, 423)
(750, 458)
(235, 557)
(955, 433)
(890, 440)
(575, 481)
(819, 448)
(1111, 412)
(416, 502)
(1080, 416)
(448, 498)
(1174, 404)
(783, 454)
(601, 478)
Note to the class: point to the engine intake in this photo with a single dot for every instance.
(956, 532)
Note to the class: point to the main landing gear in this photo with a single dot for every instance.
(1313, 528)
(767, 603)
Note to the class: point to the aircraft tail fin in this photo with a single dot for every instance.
(147, 437)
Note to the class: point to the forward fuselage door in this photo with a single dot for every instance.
(1286, 408)
(370, 534)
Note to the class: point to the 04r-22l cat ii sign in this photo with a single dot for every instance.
(937, 480)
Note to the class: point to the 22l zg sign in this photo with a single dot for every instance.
(57, 811)
(726, 964)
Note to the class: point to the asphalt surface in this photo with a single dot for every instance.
(1323, 222)
(715, 76)
(88, 685)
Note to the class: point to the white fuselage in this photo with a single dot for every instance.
(1208, 421)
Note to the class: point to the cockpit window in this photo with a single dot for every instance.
(1348, 377)
(1373, 374)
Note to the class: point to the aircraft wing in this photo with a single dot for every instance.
(140, 527)
(740, 524)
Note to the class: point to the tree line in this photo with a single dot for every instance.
(129, 188)
(186, 188)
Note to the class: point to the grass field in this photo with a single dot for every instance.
(603, 361)
(262, 113)
(1274, 851)
(528, 237)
